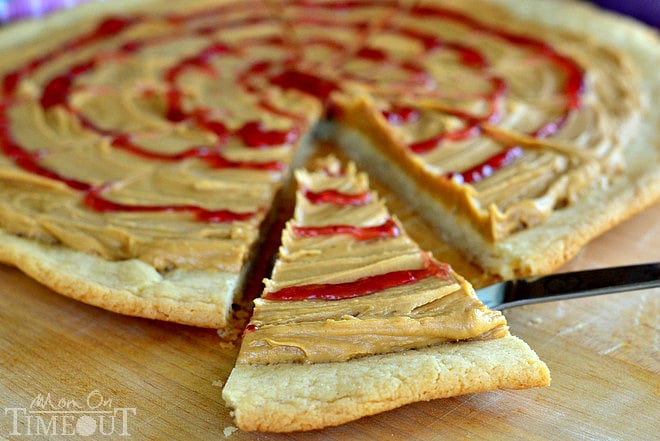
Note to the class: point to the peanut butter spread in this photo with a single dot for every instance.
(367, 315)
(166, 136)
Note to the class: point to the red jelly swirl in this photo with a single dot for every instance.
(472, 58)
(388, 229)
(305, 82)
(362, 287)
(292, 72)
(472, 123)
(56, 93)
(488, 167)
(93, 199)
(336, 197)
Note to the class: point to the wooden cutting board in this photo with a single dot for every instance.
(69, 368)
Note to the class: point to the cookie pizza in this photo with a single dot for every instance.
(358, 319)
(144, 144)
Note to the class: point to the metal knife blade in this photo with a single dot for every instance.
(569, 285)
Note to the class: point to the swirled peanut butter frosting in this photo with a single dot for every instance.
(165, 136)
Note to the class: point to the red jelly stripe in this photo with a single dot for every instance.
(337, 197)
(361, 287)
(388, 229)
(254, 134)
(95, 201)
(401, 115)
(210, 155)
(470, 131)
(488, 167)
(305, 82)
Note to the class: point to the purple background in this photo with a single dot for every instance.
(644, 10)
(16, 9)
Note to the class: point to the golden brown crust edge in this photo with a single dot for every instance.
(129, 287)
(295, 397)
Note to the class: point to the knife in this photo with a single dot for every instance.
(511, 293)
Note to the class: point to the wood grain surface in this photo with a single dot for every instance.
(163, 381)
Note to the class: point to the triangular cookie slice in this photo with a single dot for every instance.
(357, 319)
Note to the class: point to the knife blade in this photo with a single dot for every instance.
(518, 292)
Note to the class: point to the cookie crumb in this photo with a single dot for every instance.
(229, 431)
(535, 321)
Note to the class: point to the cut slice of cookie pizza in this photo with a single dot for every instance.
(357, 319)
